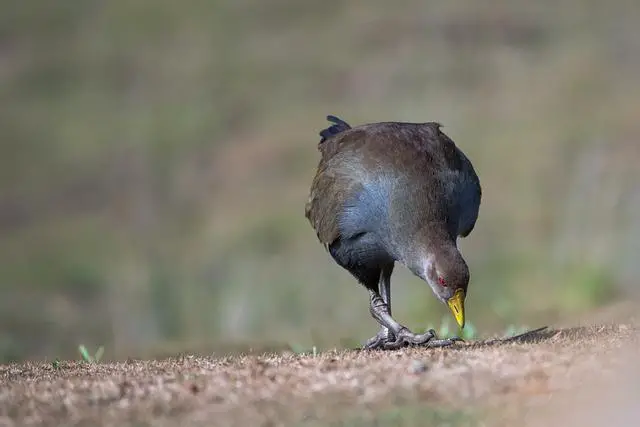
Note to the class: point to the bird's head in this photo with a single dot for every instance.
(447, 274)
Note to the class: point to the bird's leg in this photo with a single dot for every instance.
(384, 335)
(380, 311)
(403, 336)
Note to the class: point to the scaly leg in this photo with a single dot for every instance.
(384, 335)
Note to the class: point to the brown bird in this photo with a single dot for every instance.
(394, 191)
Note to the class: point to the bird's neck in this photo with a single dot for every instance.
(434, 238)
(428, 245)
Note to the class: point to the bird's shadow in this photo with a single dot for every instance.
(533, 336)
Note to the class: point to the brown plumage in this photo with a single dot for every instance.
(392, 191)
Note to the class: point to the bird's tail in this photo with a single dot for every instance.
(339, 126)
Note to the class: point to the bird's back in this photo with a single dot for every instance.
(391, 178)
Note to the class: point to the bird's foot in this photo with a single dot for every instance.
(383, 337)
(428, 339)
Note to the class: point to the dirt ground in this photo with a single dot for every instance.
(584, 375)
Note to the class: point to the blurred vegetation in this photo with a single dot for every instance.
(157, 157)
(405, 415)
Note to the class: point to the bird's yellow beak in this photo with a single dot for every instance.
(456, 305)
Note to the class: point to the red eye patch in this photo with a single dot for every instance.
(441, 281)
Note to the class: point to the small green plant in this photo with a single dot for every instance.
(469, 332)
(88, 357)
(56, 364)
(446, 331)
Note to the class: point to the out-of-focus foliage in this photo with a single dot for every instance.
(156, 158)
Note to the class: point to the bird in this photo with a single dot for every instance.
(392, 192)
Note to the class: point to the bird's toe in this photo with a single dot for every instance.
(399, 342)
(406, 337)
(379, 340)
(374, 343)
(428, 339)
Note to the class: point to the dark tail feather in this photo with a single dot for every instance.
(339, 126)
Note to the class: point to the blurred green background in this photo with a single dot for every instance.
(156, 158)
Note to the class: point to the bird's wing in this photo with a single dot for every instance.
(456, 169)
(332, 185)
(469, 195)
(469, 207)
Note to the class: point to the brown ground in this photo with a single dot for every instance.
(558, 377)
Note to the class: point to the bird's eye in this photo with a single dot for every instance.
(441, 281)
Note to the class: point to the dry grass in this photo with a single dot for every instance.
(472, 382)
